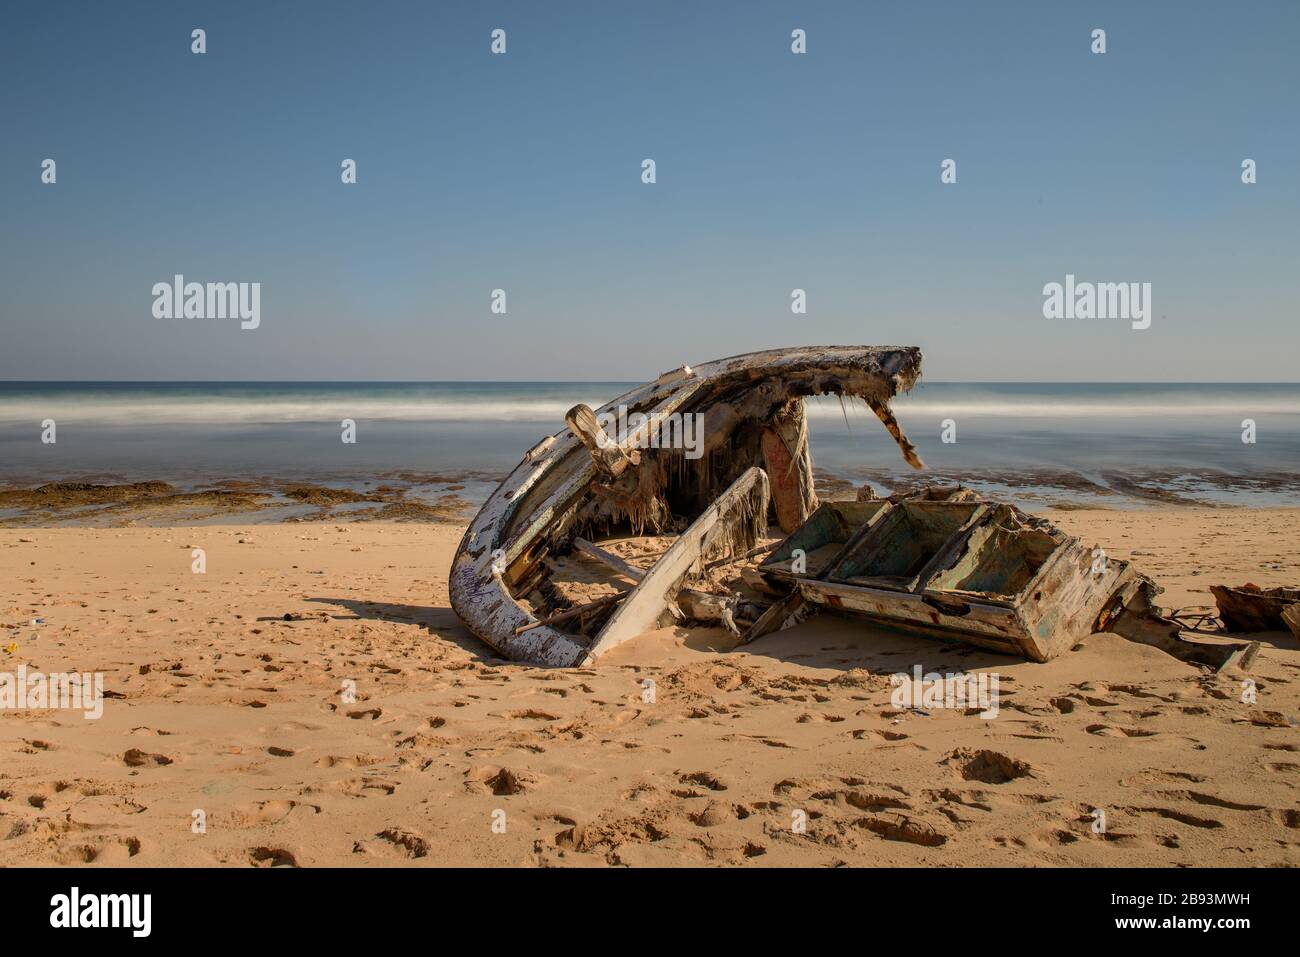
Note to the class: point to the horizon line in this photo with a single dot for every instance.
(1149, 382)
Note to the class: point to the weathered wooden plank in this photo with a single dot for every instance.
(789, 466)
(576, 611)
(886, 417)
(708, 607)
(1291, 618)
(783, 614)
(996, 626)
(605, 451)
(619, 565)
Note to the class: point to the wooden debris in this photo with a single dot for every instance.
(575, 612)
(1291, 618)
(1251, 608)
(891, 425)
(789, 466)
(744, 556)
(984, 574)
(1132, 614)
(732, 522)
(786, 613)
(625, 568)
(707, 607)
(539, 451)
(605, 452)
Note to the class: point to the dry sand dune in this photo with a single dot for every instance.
(221, 705)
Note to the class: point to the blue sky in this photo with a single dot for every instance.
(522, 171)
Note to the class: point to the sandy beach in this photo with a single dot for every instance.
(226, 697)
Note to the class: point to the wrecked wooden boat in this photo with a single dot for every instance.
(614, 526)
(944, 564)
(1251, 608)
(692, 462)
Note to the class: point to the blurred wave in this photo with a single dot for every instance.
(233, 404)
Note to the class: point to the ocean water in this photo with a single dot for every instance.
(1113, 444)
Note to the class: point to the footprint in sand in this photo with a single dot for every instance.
(863, 800)
(354, 761)
(867, 734)
(1139, 692)
(1182, 817)
(1211, 800)
(1153, 775)
(394, 842)
(893, 826)
(1287, 818)
(135, 758)
(271, 857)
(115, 850)
(498, 781)
(1043, 840)
(354, 787)
(706, 779)
(1114, 731)
(270, 812)
(990, 767)
(715, 814)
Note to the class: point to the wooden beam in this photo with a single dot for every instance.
(886, 417)
(605, 451)
(784, 614)
(706, 606)
(574, 612)
(609, 558)
(1291, 618)
(789, 466)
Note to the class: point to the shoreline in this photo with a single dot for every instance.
(111, 500)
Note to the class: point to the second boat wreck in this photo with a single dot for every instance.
(687, 473)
